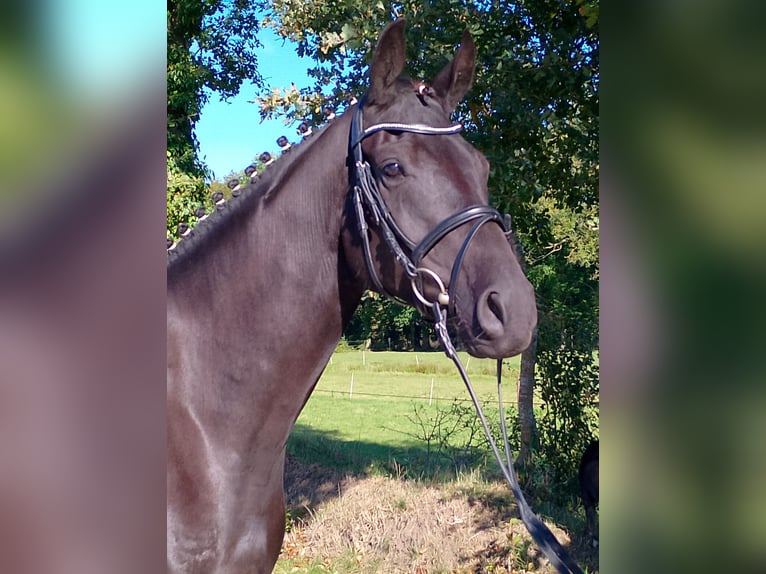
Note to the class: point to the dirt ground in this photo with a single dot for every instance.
(375, 524)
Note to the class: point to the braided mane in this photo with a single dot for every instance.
(260, 188)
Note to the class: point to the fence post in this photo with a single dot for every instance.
(431, 395)
(351, 387)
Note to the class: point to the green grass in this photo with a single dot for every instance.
(371, 426)
(360, 436)
(376, 427)
(408, 373)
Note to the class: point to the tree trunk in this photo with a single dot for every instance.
(525, 395)
(526, 385)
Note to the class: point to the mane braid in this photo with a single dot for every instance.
(265, 187)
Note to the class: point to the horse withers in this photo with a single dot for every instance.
(588, 476)
(259, 295)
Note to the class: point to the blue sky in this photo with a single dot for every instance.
(231, 134)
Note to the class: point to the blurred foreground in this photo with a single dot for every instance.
(82, 385)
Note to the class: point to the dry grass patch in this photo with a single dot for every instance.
(349, 524)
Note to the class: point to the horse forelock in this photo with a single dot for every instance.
(414, 102)
(463, 165)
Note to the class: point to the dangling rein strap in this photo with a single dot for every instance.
(541, 534)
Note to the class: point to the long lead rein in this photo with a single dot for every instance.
(541, 534)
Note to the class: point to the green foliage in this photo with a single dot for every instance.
(570, 419)
(216, 186)
(454, 438)
(291, 103)
(210, 49)
(574, 232)
(185, 193)
(387, 325)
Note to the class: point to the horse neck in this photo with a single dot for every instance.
(275, 275)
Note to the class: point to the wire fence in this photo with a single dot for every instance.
(350, 394)
(395, 344)
(412, 371)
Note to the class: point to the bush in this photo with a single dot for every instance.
(185, 193)
(454, 435)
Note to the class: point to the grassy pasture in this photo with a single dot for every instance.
(348, 513)
(409, 374)
(362, 415)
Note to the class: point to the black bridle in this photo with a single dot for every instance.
(368, 202)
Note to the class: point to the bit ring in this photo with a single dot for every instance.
(442, 298)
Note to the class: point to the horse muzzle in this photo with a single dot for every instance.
(503, 322)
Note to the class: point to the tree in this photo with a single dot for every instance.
(210, 49)
(387, 325)
(533, 111)
(527, 426)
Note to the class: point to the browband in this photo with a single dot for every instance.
(412, 128)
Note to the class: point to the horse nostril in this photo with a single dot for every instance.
(495, 306)
(491, 315)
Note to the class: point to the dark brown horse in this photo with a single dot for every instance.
(258, 299)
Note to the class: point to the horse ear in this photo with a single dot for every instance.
(455, 79)
(387, 62)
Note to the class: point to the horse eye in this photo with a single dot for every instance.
(392, 169)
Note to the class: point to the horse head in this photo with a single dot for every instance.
(421, 200)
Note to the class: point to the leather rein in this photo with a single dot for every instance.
(369, 203)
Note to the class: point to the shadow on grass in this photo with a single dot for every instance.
(412, 459)
(320, 466)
